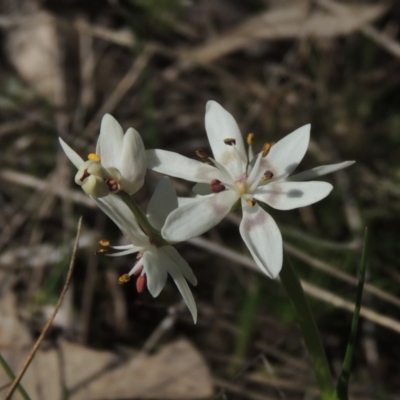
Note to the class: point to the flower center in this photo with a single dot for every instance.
(242, 185)
(96, 180)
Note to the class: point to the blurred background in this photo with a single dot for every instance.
(275, 65)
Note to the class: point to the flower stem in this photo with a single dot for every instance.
(153, 234)
(312, 339)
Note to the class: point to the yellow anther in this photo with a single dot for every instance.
(100, 251)
(251, 202)
(202, 155)
(123, 279)
(229, 141)
(104, 243)
(93, 157)
(266, 148)
(250, 139)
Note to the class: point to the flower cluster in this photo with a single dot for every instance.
(234, 177)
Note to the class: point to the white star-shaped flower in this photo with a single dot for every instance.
(118, 164)
(236, 175)
(153, 262)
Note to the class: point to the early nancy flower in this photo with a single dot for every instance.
(234, 174)
(118, 164)
(154, 261)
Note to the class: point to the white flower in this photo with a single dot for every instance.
(235, 175)
(153, 262)
(119, 162)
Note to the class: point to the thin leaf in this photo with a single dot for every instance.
(341, 392)
(7, 369)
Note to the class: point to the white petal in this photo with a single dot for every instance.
(71, 154)
(183, 287)
(289, 195)
(109, 144)
(221, 125)
(195, 218)
(319, 171)
(181, 263)
(255, 175)
(122, 216)
(186, 200)
(286, 154)
(154, 263)
(132, 163)
(263, 239)
(163, 201)
(174, 164)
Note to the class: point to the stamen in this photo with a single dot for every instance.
(93, 157)
(266, 148)
(251, 202)
(204, 157)
(216, 186)
(250, 139)
(230, 141)
(84, 176)
(141, 283)
(250, 153)
(123, 279)
(104, 242)
(267, 176)
(100, 251)
(112, 184)
(139, 271)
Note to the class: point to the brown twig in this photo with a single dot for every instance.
(311, 290)
(50, 321)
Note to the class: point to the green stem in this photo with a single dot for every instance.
(153, 234)
(312, 339)
(11, 375)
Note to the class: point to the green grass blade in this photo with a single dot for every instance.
(343, 382)
(247, 323)
(11, 375)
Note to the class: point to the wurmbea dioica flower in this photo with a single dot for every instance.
(154, 261)
(118, 164)
(234, 174)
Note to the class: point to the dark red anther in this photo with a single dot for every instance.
(268, 174)
(84, 176)
(141, 283)
(229, 141)
(216, 186)
(112, 184)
